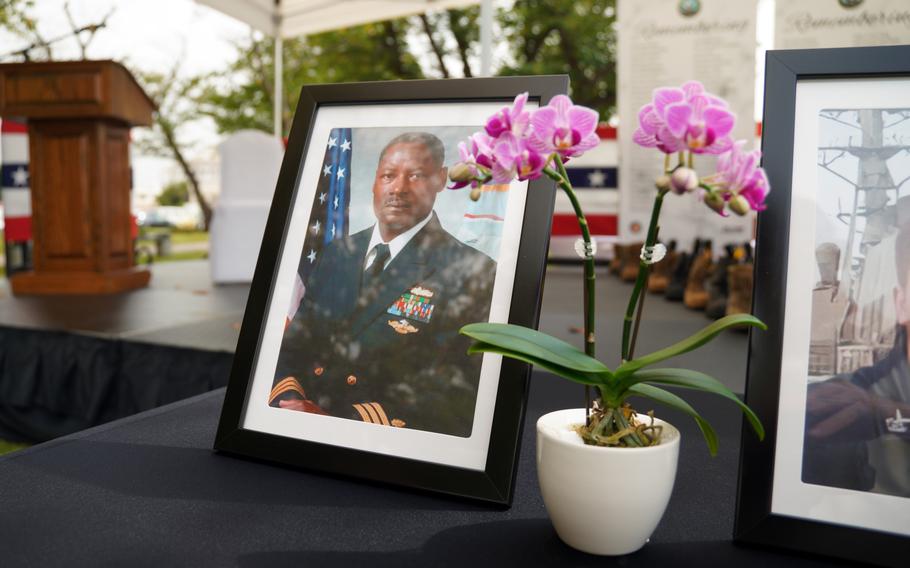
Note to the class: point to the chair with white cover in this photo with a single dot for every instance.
(250, 161)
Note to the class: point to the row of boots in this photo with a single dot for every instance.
(720, 287)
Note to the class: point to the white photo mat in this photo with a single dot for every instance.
(469, 453)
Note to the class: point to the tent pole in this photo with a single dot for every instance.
(279, 87)
(486, 37)
(279, 72)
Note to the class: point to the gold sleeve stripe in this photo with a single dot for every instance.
(290, 388)
(285, 381)
(362, 412)
(374, 418)
(286, 388)
(381, 413)
(285, 385)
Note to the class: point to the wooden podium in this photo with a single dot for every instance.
(79, 116)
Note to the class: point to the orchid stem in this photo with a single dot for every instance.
(642, 276)
(562, 178)
(641, 307)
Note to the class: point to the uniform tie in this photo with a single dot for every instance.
(375, 269)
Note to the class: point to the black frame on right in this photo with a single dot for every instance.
(755, 522)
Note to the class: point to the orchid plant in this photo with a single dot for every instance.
(523, 144)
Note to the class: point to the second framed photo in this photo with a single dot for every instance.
(831, 377)
(349, 359)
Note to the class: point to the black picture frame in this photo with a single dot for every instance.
(756, 523)
(495, 483)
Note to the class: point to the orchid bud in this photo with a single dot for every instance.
(715, 201)
(739, 205)
(461, 172)
(683, 180)
(475, 193)
(662, 183)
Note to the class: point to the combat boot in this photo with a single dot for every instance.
(739, 277)
(677, 286)
(695, 296)
(616, 261)
(662, 271)
(718, 290)
(630, 262)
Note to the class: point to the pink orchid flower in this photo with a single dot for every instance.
(739, 174)
(476, 151)
(514, 119)
(513, 157)
(565, 128)
(685, 118)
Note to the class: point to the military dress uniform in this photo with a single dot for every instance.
(383, 346)
(872, 452)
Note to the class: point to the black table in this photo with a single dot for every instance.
(148, 490)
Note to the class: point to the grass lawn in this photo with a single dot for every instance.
(147, 241)
(7, 447)
(178, 238)
(188, 255)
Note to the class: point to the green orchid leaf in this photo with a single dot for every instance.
(690, 343)
(673, 401)
(694, 380)
(565, 372)
(534, 344)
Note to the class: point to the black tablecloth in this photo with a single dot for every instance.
(53, 383)
(148, 490)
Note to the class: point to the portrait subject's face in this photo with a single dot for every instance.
(404, 190)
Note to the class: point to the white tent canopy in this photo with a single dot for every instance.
(292, 18)
(305, 17)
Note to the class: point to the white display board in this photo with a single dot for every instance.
(663, 43)
(840, 23)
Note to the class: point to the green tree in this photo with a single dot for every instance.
(544, 36)
(14, 16)
(175, 193)
(174, 98)
(371, 52)
(452, 36)
(577, 38)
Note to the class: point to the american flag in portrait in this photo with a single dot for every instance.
(329, 217)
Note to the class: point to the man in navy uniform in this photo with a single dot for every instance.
(376, 335)
(858, 424)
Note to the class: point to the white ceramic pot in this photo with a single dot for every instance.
(603, 500)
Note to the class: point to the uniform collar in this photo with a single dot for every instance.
(396, 244)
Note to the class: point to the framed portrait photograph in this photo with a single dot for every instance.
(831, 376)
(350, 359)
